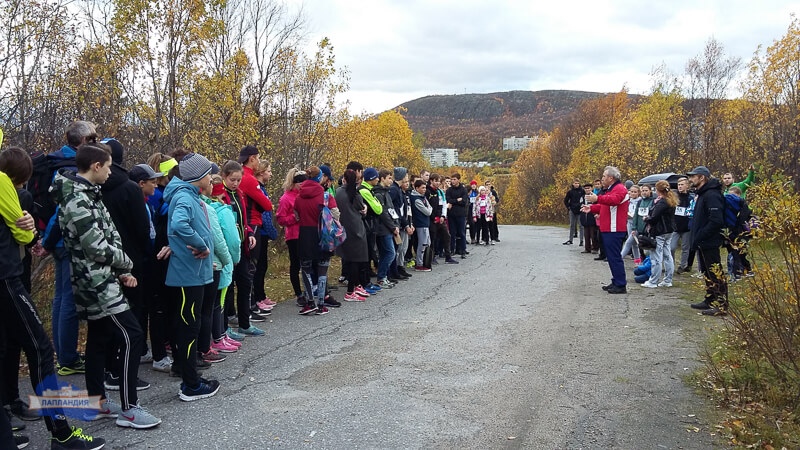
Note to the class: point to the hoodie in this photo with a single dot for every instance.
(708, 221)
(286, 217)
(188, 225)
(421, 210)
(93, 245)
(123, 200)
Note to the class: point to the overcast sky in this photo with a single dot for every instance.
(399, 50)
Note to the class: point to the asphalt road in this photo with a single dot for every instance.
(516, 347)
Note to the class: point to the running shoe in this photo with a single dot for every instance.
(354, 297)
(164, 365)
(77, 440)
(234, 335)
(252, 331)
(222, 346)
(213, 356)
(137, 417)
(206, 388)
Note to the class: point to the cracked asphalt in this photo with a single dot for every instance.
(516, 347)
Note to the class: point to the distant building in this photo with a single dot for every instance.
(515, 143)
(441, 157)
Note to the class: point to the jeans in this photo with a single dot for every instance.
(661, 258)
(612, 242)
(630, 244)
(574, 224)
(65, 317)
(386, 254)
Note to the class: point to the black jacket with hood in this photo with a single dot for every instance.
(708, 220)
(125, 203)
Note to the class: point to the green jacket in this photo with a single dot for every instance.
(744, 184)
(638, 218)
(94, 246)
(373, 203)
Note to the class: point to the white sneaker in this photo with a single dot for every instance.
(137, 417)
(664, 284)
(648, 284)
(165, 365)
(147, 357)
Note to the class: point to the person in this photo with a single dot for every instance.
(682, 220)
(291, 228)
(483, 214)
(572, 201)
(642, 208)
(440, 233)
(19, 318)
(353, 251)
(457, 200)
(589, 224)
(191, 269)
(387, 226)
(100, 268)
(494, 231)
(706, 237)
(314, 261)
(268, 233)
(630, 245)
(737, 213)
(400, 204)
(661, 224)
(421, 215)
(473, 226)
(728, 181)
(612, 207)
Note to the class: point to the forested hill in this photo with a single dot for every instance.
(481, 121)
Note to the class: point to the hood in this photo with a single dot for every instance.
(176, 185)
(414, 193)
(712, 184)
(67, 183)
(380, 188)
(117, 178)
(66, 152)
(310, 189)
(734, 201)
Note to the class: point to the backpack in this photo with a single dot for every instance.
(331, 231)
(737, 215)
(44, 170)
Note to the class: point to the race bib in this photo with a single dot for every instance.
(393, 213)
(482, 203)
(680, 211)
(643, 211)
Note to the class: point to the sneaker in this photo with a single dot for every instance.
(16, 423)
(410, 264)
(308, 309)
(372, 286)
(463, 256)
(21, 441)
(353, 297)
(617, 290)
(648, 284)
(252, 331)
(701, 305)
(301, 301)
(385, 284)
(213, 356)
(421, 269)
(361, 291)
(20, 409)
(434, 262)
(567, 243)
(164, 365)
(697, 275)
(73, 369)
(109, 410)
(206, 388)
(234, 335)
(147, 357)
(112, 383)
(266, 303)
(664, 284)
(321, 311)
(492, 243)
(372, 291)
(257, 317)
(714, 311)
(608, 286)
(451, 261)
(222, 346)
(331, 302)
(232, 342)
(202, 363)
(77, 440)
(137, 417)
(342, 280)
(233, 320)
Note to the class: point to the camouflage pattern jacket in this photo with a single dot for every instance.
(94, 246)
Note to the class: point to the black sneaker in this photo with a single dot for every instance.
(450, 261)
(567, 243)
(16, 423)
(617, 290)
(21, 441)
(605, 288)
(342, 280)
(257, 317)
(463, 256)
(20, 409)
(702, 305)
(207, 388)
(600, 258)
(112, 383)
(331, 302)
(77, 440)
(202, 364)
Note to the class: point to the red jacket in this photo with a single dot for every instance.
(613, 209)
(309, 203)
(286, 217)
(255, 198)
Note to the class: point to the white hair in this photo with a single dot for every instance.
(612, 172)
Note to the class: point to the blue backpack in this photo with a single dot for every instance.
(331, 231)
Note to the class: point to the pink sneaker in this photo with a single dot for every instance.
(361, 291)
(223, 347)
(232, 342)
(268, 302)
(264, 306)
(353, 297)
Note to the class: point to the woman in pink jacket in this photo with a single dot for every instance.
(291, 224)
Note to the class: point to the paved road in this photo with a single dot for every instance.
(517, 347)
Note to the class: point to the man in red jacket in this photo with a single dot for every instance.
(256, 203)
(612, 205)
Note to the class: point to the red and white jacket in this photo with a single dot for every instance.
(613, 209)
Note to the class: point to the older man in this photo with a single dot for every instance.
(706, 238)
(612, 206)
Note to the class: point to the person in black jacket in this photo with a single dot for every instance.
(440, 234)
(707, 238)
(386, 226)
(396, 192)
(660, 221)
(457, 201)
(682, 231)
(573, 201)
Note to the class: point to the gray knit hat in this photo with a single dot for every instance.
(193, 167)
(400, 173)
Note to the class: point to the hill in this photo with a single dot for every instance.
(481, 121)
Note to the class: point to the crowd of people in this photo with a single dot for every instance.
(649, 223)
(175, 249)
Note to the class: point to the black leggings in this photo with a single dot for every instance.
(294, 265)
(262, 264)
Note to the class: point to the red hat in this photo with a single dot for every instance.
(473, 182)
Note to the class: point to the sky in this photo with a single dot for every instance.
(400, 50)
